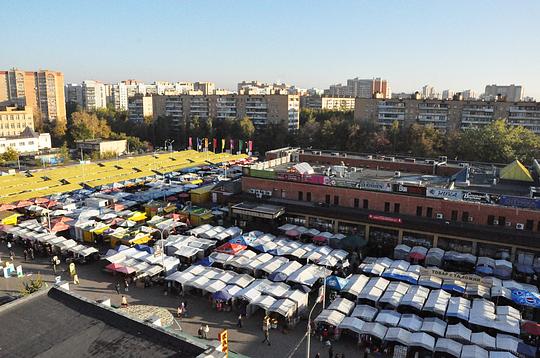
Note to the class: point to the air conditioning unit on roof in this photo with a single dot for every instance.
(520, 226)
(440, 216)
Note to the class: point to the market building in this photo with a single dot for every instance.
(466, 207)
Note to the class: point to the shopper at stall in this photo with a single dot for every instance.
(126, 284)
(266, 330)
(239, 323)
(117, 287)
(206, 330)
(31, 252)
(25, 253)
(124, 301)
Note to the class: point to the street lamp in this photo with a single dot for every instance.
(161, 231)
(308, 353)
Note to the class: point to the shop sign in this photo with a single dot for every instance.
(388, 219)
(446, 275)
(410, 189)
(476, 196)
(289, 176)
(448, 194)
(373, 185)
(519, 202)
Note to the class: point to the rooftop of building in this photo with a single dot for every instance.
(57, 322)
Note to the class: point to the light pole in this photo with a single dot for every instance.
(161, 231)
(308, 349)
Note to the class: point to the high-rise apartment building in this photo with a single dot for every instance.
(139, 107)
(90, 95)
(73, 93)
(42, 90)
(361, 88)
(510, 93)
(327, 103)
(205, 87)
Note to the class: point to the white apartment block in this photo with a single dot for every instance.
(510, 93)
(26, 142)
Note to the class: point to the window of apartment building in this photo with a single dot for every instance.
(356, 202)
(418, 211)
(386, 207)
(502, 220)
(491, 220)
(366, 204)
(465, 216)
(336, 200)
(454, 215)
(529, 225)
(396, 207)
(308, 196)
(429, 212)
(300, 195)
(327, 199)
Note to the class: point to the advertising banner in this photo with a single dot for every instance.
(387, 219)
(448, 194)
(519, 202)
(477, 197)
(445, 275)
(410, 189)
(374, 185)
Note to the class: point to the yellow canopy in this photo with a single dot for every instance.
(8, 218)
(138, 216)
(516, 171)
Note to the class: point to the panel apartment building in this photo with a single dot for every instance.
(42, 90)
(447, 115)
(261, 109)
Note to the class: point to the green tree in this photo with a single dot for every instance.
(87, 126)
(58, 132)
(32, 285)
(246, 129)
(10, 155)
(63, 153)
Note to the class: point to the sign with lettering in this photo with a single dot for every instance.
(374, 185)
(410, 189)
(519, 202)
(446, 275)
(477, 196)
(448, 194)
(388, 219)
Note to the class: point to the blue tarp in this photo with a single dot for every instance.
(336, 283)
(277, 277)
(395, 276)
(242, 240)
(526, 298)
(222, 296)
(452, 287)
(526, 269)
(484, 270)
(144, 248)
(503, 273)
(207, 261)
(526, 350)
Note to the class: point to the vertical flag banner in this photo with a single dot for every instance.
(214, 144)
(240, 145)
(231, 142)
(222, 145)
(250, 146)
(190, 142)
(206, 143)
(199, 144)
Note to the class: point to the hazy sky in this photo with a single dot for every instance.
(448, 44)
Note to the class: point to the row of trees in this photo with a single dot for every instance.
(333, 130)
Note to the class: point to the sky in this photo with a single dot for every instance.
(456, 45)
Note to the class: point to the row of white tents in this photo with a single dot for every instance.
(142, 262)
(270, 296)
(431, 333)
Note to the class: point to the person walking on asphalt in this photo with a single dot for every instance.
(124, 301)
(266, 330)
(318, 355)
(205, 331)
(239, 323)
(25, 253)
(31, 252)
(126, 285)
(117, 287)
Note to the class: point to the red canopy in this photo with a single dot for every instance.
(51, 203)
(5, 207)
(231, 249)
(531, 328)
(39, 201)
(417, 256)
(319, 238)
(23, 204)
(292, 233)
(113, 267)
(126, 270)
(59, 226)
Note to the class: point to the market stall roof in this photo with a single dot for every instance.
(331, 317)
(473, 351)
(264, 302)
(399, 335)
(458, 307)
(214, 286)
(459, 332)
(388, 317)
(484, 340)
(423, 340)
(437, 302)
(516, 171)
(342, 305)
(365, 312)
(284, 307)
(434, 325)
(231, 249)
(430, 281)
(448, 346)
(374, 329)
(352, 323)
(501, 355)
(411, 322)
(242, 280)
(508, 343)
(415, 297)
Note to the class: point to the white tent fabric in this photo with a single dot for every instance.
(484, 340)
(415, 297)
(430, 281)
(473, 351)
(437, 302)
(423, 340)
(374, 329)
(410, 322)
(342, 305)
(434, 325)
(284, 307)
(394, 293)
(365, 312)
(331, 317)
(396, 334)
(214, 286)
(355, 284)
(388, 318)
(242, 280)
(458, 332)
(374, 289)
(275, 289)
(449, 346)
(458, 307)
(501, 355)
(507, 343)
(264, 302)
(352, 323)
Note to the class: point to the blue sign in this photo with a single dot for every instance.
(519, 202)
(526, 298)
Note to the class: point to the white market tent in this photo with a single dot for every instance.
(342, 305)
(473, 351)
(448, 346)
(284, 307)
(411, 322)
(422, 340)
(415, 297)
(374, 329)
(352, 324)
(507, 343)
(483, 340)
(263, 301)
(434, 325)
(388, 318)
(355, 284)
(437, 302)
(365, 312)
(396, 334)
(331, 317)
(458, 332)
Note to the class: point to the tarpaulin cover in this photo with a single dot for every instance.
(526, 298)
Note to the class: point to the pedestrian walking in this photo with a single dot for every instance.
(239, 323)
(179, 311)
(126, 285)
(206, 331)
(184, 308)
(76, 279)
(31, 252)
(117, 287)
(330, 349)
(9, 245)
(25, 253)
(11, 256)
(318, 355)
(124, 302)
(200, 332)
